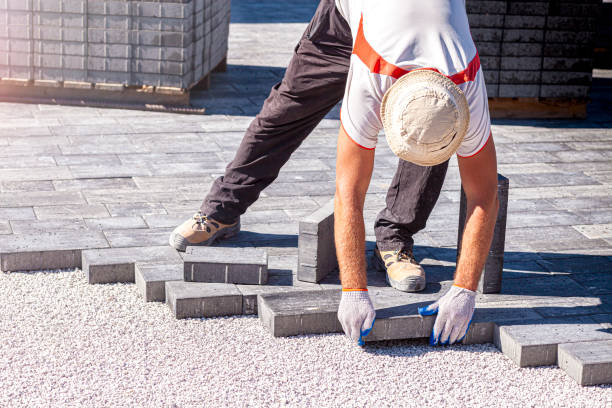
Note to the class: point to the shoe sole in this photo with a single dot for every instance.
(180, 243)
(410, 284)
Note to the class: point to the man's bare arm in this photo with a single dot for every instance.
(353, 172)
(479, 180)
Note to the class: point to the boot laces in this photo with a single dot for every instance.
(200, 219)
(404, 255)
(202, 222)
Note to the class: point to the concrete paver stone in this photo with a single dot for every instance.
(198, 299)
(295, 313)
(47, 250)
(151, 279)
(589, 363)
(534, 343)
(226, 265)
(316, 247)
(112, 265)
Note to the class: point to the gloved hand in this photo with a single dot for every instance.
(356, 314)
(455, 310)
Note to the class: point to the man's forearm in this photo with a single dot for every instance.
(476, 242)
(350, 244)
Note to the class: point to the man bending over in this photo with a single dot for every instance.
(437, 108)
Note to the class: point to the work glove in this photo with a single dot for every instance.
(455, 310)
(356, 314)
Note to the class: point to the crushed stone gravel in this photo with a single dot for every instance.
(67, 343)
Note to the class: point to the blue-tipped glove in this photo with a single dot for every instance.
(455, 310)
(356, 314)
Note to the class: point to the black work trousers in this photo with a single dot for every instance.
(313, 84)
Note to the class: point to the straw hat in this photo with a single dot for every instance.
(425, 117)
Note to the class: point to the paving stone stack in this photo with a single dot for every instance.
(52, 46)
(539, 51)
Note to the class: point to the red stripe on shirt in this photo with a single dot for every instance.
(378, 65)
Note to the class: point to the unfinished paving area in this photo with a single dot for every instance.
(102, 189)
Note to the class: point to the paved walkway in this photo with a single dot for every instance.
(128, 177)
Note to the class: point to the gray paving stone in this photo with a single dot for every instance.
(135, 209)
(226, 265)
(130, 196)
(151, 279)
(33, 227)
(532, 343)
(22, 186)
(112, 223)
(17, 213)
(316, 247)
(30, 199)
(295, 313)
(552, 179)
(167, 220)
(5, 228)
(596, 215)
(45, 212)
(276, 284)
(86, 159)
(589, 363)
(108, 170)
(48, 250)
(19, 151)
(112, 265)
(96, 183)
(313, 188)
(200, 182)
(27, 161)
(591, 191)
(138, 237)
(264, 216)
(36, 173)
(196, 299)
(543, 218)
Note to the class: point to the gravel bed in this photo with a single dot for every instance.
(67, 343)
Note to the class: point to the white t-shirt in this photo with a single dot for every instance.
(393, 37)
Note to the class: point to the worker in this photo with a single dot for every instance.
(415, 72)
(359, 49)
(313, 84)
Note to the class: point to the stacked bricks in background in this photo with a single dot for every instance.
(603, 38)
(491, 279)
(111, 44)
(539, 51)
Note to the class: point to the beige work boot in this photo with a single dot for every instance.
(201, 231)
(403, 272)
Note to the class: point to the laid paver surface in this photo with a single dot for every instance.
(75, 179)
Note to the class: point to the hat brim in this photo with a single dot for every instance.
(422, 155)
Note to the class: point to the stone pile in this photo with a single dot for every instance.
(537, 49)
(108, 45)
